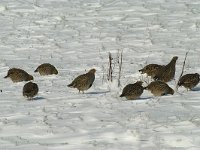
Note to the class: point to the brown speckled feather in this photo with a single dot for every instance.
(151, 69)
(189, 81)
(167, 73)
(83, 82)
(159, 88)
(18, 75)
(132, 91)
(30, 90)
(46, 69)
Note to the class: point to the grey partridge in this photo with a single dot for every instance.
(18, 75)
(46, 69)
(30, 90)
(189, 81)
(83, 82)
(151, 70)
(159, 88)
(133, 91)
(167, 73)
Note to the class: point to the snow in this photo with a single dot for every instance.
(76, 36)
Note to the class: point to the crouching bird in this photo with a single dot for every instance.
(18, 75)
(133, 91)
(46, 69)
(159, 88)
(30, 90)
(151, 69)
(189, 81)
(83, 82)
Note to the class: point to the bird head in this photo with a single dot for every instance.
(92, 71)
(55, 71)
(175, 58)
(30, 77)
(139, 82)
(171, 91)
(197, 75)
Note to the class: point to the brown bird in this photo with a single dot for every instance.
(83, 82)
(132, 91)
(46, 69)
(167, 73)
(159, 88)
(151, 69)
(30, 89)
(189, 81)
(18, 75)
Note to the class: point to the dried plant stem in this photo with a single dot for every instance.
(182, 69)
(120, 67)
(110, 70)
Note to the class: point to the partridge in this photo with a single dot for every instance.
(18, 75)
(151, 70)
(159, 88)
(133, 91)
(83, 82)
(46, 69)
(167, 73)
(189, 81)
(30, 89)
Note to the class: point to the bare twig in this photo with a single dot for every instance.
(120, 67)
(182, 69)
(110, 70)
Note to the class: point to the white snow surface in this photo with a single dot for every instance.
(77, 35)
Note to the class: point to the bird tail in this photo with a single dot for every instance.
(122, 95)
(141, 70)
(6, 76)
(71, 85)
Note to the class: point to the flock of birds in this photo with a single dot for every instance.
(161, 74)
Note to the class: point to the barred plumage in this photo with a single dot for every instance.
(30, 89)
(159, 88)
(46, 69)
(151, 69)
(133, 91)
(189, 81)
(83, 82)
(167, 73)
(18, 75)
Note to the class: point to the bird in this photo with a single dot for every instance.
(133, 91)
(189, 81)
(46, 69)
(18, 75)
(167, 73)
(30, 89)
(159, 88)
(83, 82)
(151, 69)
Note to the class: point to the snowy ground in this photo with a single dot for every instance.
(75, 36)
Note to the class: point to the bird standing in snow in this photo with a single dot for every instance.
(167, 73)
(159, 88)
(151, 70)
(46, 69)
(189, 81)
(30, 89)
(18, 75)
(83, 82)
(132, 91)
